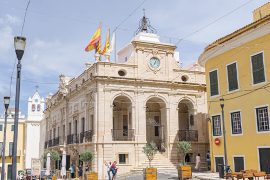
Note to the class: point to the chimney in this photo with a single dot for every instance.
(261, 12)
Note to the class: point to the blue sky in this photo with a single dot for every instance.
(58, 31)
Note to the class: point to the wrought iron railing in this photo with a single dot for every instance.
(46, 145)
(72, 138)
(56, 141)
(123, 134)
(188, 135)
(50, 143)
(88, 135)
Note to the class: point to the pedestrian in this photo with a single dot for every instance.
(208, 160)
(108, 165)
(114, 170)
(72, 170)
(198, 161)
(87, 168)
(80, 171)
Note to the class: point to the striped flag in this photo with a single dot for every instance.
(107, 43)
(95, 41)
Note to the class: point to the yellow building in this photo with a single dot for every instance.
(9, 142)
(238, 69)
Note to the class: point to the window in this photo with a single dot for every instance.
(236, 123)
(10, 148)
(12, 127)
(213, 75)
(38, 107)
(262, 119)
(123, 158)
(238, 164)
(36, 100)
(125, 125)
(156, 125)
(257, 68)
(1, 127)
(232, 76)
(216, 125)
(33, 107)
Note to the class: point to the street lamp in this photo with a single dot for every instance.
(19, 44)
(224, 134)
(6, 104)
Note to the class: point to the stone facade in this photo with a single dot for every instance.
(114, 109)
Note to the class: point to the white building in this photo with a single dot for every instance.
(114, 109)
(35, 113)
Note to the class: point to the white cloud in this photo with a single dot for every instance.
(9, 20)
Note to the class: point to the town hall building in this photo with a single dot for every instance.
(114, 109)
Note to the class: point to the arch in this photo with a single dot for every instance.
(121, 94)
(122, 118)
(159, 97)
(156, 121)
(191, 103)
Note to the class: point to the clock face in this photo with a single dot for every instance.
(154, 63)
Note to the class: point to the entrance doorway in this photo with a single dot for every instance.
(264, 154)
(156, 123)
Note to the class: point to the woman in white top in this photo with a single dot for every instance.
(198, 161)
(108, 165)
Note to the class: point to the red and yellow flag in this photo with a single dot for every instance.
(107, 43)
(95, 41)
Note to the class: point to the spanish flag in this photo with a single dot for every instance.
(107, 44)
(95, 41)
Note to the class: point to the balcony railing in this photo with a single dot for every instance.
(72, 138)
(188, 135)
(50, 143)
(123, 134)
(46, 145)
(86, 136)
(56, 141)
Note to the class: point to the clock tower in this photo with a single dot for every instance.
(153, 58)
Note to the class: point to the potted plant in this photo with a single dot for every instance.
(184, 170)
(87, 157)
(150, 149)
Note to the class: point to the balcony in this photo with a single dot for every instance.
(86, 136)
(50, 143)
(188, 135)
(46, 145)
(123, 134)
(56, 141)
(73, 139)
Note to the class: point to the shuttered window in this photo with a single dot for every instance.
(213, 83)
(232, 77)
(257, 68)
(216, 125)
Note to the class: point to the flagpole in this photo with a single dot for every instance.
(115, 46)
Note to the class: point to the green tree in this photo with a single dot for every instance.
(150, 149)
(184, 147)
(87, 157)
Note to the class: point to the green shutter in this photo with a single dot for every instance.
(213, 83)
(232, 77)
(258, 68)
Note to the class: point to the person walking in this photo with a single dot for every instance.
(80, 171)
(114, 170)
(208, 160)
(72, 170)
(108, 165)
(198, 161)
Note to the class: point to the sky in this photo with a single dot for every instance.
(57, 32)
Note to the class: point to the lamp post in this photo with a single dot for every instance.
(6, 103)
(224, 134)
(19, 44)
